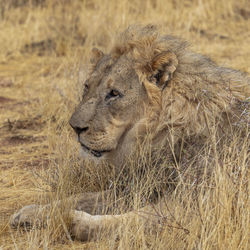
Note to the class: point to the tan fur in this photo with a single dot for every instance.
(154, 84)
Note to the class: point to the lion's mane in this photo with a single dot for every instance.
(200, 92)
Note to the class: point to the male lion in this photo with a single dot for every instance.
(149, 87)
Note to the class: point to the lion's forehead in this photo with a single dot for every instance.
(116, 71)
(123, 69)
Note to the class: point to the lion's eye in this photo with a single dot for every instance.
(86, 88)
(113, 94)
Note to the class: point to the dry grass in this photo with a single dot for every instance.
(44, 48)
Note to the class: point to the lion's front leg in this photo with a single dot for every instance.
(86, 226)
(38, 215)
(31, 216)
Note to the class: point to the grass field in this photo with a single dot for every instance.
(44, 50)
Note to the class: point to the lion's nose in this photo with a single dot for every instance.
(79, 130)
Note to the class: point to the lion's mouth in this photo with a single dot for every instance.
(95, 153)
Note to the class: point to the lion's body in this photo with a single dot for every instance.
(153, 86)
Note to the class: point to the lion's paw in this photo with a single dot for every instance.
(30, 216)
(81, 228)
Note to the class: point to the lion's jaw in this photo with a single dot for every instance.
(113, 104)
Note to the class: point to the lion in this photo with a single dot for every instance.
(149, 86)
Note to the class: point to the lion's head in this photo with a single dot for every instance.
(151, 83)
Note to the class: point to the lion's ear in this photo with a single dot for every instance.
(163, 66)
(96, 56)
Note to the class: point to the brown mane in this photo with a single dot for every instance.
(200, 91)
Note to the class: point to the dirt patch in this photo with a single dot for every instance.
(13, 106)
(39, 163)
(209, 35)
(31, 124)
(40, 47)
(245, 13)
(24, 164)
(3, 152)
(6, 164)
(21, 139)
(35, 149)
(4, 83)
(4, 100)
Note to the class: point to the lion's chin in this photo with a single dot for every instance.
(90, 155)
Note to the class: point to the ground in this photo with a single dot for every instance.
(43, 55)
